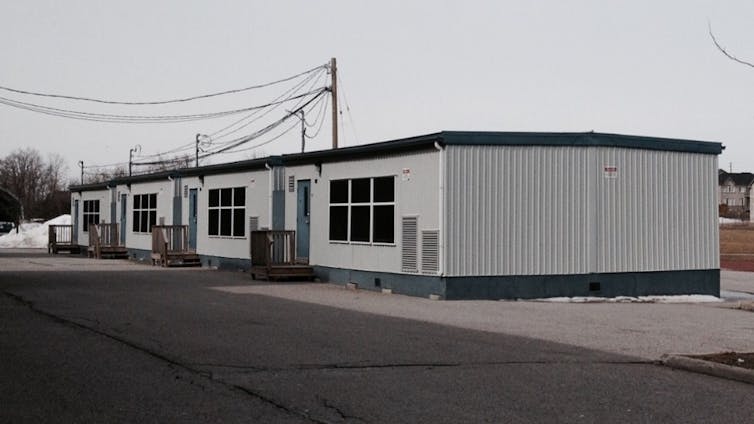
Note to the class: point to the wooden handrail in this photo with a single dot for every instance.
(108, 234)
(58, 234)
(170, 238)
(273, 247)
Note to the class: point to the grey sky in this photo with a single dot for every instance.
(407, 67)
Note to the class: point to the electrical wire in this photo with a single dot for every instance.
(310, 88)
(348, 107)
(286, 131)
(307, 101)
(161, 102)
(138, 119)
(315, 77)
(322, 119)
(242, 140)
(289, 91)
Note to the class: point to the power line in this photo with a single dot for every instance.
(242, 140)
(322, 108)
(286, 131)
(348, 107)
(314, 77)
(232, 144)
(306, 101)
(160, 102)
(138, 119)
(311, 87)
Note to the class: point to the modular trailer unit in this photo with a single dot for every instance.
(460, 215)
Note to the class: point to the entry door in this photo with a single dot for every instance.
(75, 235)
(303, 206)
(192, 218)
(123, 208)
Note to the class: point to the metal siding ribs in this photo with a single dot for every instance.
(548, 210)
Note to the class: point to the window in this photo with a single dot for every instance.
(144, 213)
(91, 213)
(227, 212)
(363, 210)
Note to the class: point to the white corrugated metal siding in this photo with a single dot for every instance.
(516, 210)
(534, 210)
(658, 213)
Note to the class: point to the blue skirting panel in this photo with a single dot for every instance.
(532, 286)
(705, 281)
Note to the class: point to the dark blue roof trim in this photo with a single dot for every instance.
(579, 139)
(424, 142)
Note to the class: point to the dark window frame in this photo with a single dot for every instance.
(228, 214)
(90, 213)
(347, 218)
(143, 213)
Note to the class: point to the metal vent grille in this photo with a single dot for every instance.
(291, 184)
(253, 223)
(430, 251)
(409, 251)
(185, 191)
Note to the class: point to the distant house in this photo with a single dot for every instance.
(734, 193)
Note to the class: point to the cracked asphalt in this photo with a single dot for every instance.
(126, 343)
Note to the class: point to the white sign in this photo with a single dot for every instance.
(406, 174)
(610, 171)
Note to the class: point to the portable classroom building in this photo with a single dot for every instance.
(465, 215)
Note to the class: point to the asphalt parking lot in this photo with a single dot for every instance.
(101, 341)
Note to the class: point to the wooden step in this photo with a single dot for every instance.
(113, 252)
(183, 259)
(276, 272)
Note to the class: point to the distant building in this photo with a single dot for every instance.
(734, 193)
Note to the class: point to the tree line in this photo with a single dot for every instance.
(39, 183)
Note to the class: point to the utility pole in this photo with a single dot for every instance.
(197, 149)
(303, 130)
(131, 157)
(199, 138)
(334, 92)
(81, 164)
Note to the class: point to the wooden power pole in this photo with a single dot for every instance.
(334, 92)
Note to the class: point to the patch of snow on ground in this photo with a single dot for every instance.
(685, 298)
(32, 235)
(730, 221)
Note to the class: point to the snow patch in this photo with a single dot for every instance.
(32, 235)
(731, 221)
(684, 298)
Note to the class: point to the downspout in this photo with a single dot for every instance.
(269, 195)
(441, 209)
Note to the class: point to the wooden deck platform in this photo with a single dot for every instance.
(104, 242)
(59, 239)
(273, 256)
(108, 252)
(59, 247)
(171, 259)
(170, 247)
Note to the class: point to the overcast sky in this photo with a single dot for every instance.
(407, 68)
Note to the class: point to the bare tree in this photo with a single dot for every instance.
(36, 182)
(104, 174)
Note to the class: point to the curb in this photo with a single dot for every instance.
(707, 367)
